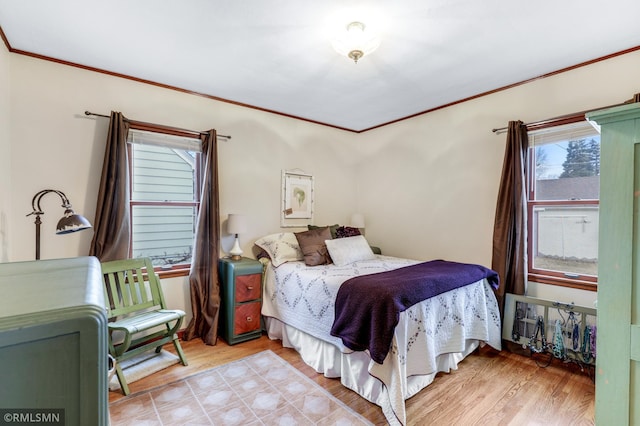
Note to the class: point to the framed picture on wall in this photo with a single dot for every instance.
(297, 199)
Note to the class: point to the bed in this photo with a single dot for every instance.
(433, 335)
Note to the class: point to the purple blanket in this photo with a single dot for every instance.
(368, 307)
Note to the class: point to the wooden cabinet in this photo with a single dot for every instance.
(53, 341)
(241, 297)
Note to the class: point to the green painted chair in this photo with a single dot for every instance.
(137, 312)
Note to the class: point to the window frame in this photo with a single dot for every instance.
(583, 281)
(181, 269)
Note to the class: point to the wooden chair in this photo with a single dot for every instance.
(136, 308)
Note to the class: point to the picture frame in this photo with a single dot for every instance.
(297, 199)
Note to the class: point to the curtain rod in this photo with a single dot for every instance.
(227, 137)
(567, 118)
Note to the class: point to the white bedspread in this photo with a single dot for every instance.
(443, 326)
(304, 296)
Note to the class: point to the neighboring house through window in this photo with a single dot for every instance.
(165, 195)
(563, 199)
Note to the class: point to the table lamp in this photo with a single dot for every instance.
(236, 224)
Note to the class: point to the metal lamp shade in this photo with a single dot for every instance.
(71, 222)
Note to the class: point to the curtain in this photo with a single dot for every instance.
(509, 231)
(112, 221)
(203, 276)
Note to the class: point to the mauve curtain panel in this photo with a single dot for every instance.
(203, 276)
(112, 221)
(509, 231)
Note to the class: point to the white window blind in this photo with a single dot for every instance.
(567, 132)
(164, 140)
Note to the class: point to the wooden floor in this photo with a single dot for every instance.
(489, 387)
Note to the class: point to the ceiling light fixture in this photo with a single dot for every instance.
(355, 42)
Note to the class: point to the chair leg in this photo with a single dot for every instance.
(176, 341)
(176, 344)
(122, 380)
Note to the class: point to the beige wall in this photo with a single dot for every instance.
(427, 186)
(54, 145)
(5, 154)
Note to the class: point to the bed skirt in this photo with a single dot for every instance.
(359, 373)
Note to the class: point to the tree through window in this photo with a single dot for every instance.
(583, 159)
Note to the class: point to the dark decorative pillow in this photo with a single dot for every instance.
(332, 229)
(312, 244)
(347, 231)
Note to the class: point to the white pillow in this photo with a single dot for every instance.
(281, 248)
(344, 251)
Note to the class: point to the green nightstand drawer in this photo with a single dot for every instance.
(241, 299)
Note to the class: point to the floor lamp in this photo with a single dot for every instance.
(70, 222)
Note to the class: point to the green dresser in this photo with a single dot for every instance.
(241, 296)
(618, 361)
(53, 341)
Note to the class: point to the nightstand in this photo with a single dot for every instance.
(241, 299)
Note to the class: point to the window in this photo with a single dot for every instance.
(563, 197)
(165, 195)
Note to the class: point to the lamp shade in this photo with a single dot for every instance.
(236, 224)
(357, 220)
(71, 222)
